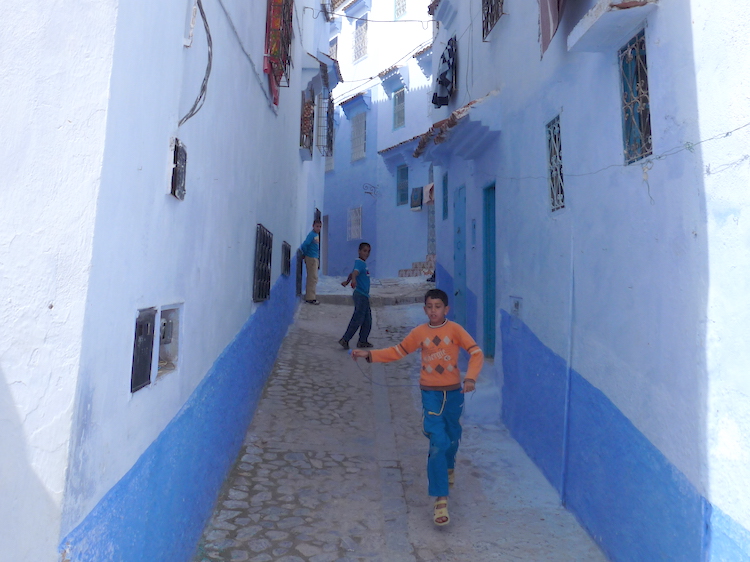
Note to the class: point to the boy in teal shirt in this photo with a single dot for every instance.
(362, 316)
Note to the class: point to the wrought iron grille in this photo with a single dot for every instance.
(354, 224)
(359, 136)
(298, 273)
(307, 120)
(402, 185)
(262, 274)
(324, 140)
(636, 114)
(399, 112)
(491, 12)
(286, 258)
(360, 38)
(279, 42)
(554, 152)
(400, 8)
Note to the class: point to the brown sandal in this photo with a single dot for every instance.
(440, 516)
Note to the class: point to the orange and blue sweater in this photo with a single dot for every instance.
(440, 348)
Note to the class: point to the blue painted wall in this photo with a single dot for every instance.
(444, 281)
(635, 503)
(157, 511)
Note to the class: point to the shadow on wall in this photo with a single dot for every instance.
(26, 507)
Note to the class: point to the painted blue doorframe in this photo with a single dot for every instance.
(459, 256)
(488, 251)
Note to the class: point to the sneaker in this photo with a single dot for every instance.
(364, 344)
(313, 302)
(344, 343)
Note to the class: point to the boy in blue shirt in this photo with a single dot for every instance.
(362, 317)
(311, 249)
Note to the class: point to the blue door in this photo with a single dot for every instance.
(459, 256)
(488, 255)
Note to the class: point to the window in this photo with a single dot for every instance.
(178, 170)
(333, 48)
(445, 196)
(402, 185)
(400, 8)
(324, 140)
(354, 224)
(143, 349)
(554, 154)
(360, 38)
(399, 113)
(491, 12)
(307, 120)
(262, 274)
(359, 134)
(277, 60)
(636, 114)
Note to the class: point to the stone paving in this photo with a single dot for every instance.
(333, 467)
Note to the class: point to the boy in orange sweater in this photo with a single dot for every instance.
(440, 384)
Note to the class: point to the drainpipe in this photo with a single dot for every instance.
(568, 374)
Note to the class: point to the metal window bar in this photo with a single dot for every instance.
(402, 185)
(359, 136)
(298, 273)
(324, 137)
(262, 273)
(279, 35)
(399, 112)
(400, 8)
(286, 258)
(360, 38)
(636, 114)
(354, 224)
(491, 12)
(143, 349)
(554, 153)
(307, 120)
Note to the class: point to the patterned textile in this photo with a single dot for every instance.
(445, 84)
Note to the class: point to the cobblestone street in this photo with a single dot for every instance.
(333, 466)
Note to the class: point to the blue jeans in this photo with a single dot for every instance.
(361, 319)
(441, 411)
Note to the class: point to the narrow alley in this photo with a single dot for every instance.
(333, 465)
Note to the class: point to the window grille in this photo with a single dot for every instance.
(360, 38)
(278, 60)
(400, 8)
(399, 113)
(359, 135)
(307, 120)
(178, 170)
(445, 196)
(402, 185)
(262, 275)
(324, 137)
(286, 258)
(636, 113)
(491, 12)
(354, 224)
(554, 153)
(143, 349)
(333, 48)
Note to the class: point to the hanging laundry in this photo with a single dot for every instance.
(445, 84)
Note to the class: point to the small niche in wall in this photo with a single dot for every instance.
(169, 339)
(143, 348)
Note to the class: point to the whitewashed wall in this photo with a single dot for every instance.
(56, 60)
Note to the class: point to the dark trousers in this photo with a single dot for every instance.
(361, 319)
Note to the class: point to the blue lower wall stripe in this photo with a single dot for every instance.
(157, 511)
(635, 503)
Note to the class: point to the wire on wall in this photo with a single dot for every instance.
(200, 100)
